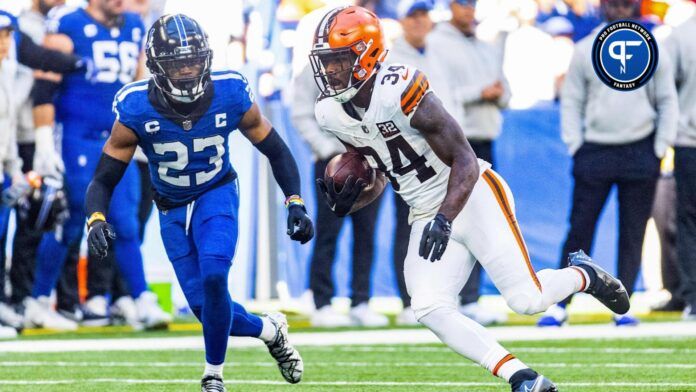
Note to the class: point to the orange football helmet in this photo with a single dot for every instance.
(348, 48)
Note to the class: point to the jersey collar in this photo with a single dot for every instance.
(186, 122)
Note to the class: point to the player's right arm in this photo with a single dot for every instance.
(117, 153)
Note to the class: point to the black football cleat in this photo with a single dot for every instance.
(289, 360)
(607, 289)
(212, 383)
(539, 384)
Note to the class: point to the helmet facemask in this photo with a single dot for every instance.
(337, 72)
(183, 77)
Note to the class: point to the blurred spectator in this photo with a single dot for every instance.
(682, 51)
(580, 13)
(304, 93)
(474, 70)
(612, 148)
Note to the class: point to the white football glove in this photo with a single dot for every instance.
(47, 161)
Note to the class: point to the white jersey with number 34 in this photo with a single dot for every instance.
(386, 138)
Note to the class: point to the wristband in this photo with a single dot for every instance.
(294, 200)
(97, 216)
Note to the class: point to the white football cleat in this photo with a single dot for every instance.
(481, 315)
(327, 317)
(9, 317)
(149, 312)
(38, 313)
(363, 316)
(407, 317)
(289, 360)
(124, 311)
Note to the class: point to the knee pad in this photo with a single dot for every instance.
(524, 303)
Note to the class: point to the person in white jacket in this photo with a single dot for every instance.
(479, 90)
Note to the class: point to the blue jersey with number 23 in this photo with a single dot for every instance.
(186, 163)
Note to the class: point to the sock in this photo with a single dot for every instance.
(589, 272)
(245, 323)
(268, 332)
(585, 277)
(213, 370)
(471, 340)
(130, 264)
(216, 313)
(508, 366)
(50, 257)
(521, 376)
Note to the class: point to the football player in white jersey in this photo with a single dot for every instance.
(461, 210)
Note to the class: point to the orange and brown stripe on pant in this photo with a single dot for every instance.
(501, 197)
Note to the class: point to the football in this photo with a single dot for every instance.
(347, 164)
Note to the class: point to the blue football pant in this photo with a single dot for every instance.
(81, 158)
(200, 240)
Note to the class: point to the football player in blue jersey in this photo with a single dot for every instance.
(113, 40)
(181, 118)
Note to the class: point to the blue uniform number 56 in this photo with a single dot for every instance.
(182, 160)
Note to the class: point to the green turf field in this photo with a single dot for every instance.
(591, 365)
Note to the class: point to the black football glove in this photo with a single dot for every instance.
(300, 227)
(341, 202)
(436, 234)
(98, 237)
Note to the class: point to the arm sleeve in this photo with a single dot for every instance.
(107, 175)
(573, 100)
(37, 57)
(282, 163)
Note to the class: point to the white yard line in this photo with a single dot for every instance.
(345, 383)
(323, 363)
(543, 350)
(349, 338)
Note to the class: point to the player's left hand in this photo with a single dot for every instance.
(436, 234)
(98, 237)
(300, 227)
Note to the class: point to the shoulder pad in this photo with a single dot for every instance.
(123, 100)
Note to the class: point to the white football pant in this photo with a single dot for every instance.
(485, 230)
